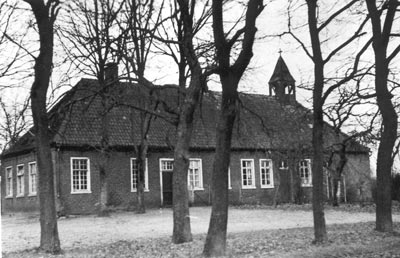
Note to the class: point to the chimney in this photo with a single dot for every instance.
(111, 73)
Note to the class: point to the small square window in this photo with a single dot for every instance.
(283, 164)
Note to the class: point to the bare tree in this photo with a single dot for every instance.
(381, 37)
(14, 122)
(140, 24)
(5, 20)
(342, 112)
(192, 94)
(322, 87)
(230, 75)
(91, 35)
(45, 15)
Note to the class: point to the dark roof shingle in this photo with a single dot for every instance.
(262, 123)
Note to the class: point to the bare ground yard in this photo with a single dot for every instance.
(260, 232)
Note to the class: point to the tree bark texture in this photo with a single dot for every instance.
(230, 76)
(103, 198)
(104, 150)
(339, 172)
(335, 182)
(180, 198)
(187, 106)
(141, 165)
(380, 40)
(216, 236)
(320, 234)
(45, 16)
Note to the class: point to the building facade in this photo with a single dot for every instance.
(270, 160)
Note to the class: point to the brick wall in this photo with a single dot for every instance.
(25, 202)
(119, 181)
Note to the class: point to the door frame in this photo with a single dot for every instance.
(161, 178)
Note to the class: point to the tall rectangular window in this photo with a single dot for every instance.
(9, 182)
(32, 178)
(247, 168)
(80, 175)
(305, 172)
(20, 180)
(195, 174)
(229, 178)
(135, 175)
(266, 173)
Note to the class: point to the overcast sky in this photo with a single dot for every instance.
(272, 21)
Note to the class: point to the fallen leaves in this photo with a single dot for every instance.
(346, 240)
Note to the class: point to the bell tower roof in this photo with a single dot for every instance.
(281, 73)
(282, 83)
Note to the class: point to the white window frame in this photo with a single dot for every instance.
(284, 164)
(253, 180)
(30, 175)
(166, 169)
(9, 184)
(301, 167)
(161, 176)
(81, 191)
(229, 178)
(146, 176)
(200, 169)
(20, 180)
(270, 170)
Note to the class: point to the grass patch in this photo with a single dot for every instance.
(346, 240)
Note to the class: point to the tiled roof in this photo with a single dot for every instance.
(262, 123)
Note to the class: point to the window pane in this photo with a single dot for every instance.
(194, 174)
(247, 173)
(134, 177)
(80, 174)
(305, 172)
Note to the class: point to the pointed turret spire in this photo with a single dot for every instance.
(282, 83)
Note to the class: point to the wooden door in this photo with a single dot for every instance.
(167, 188)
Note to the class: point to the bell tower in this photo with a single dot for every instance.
(282, 84)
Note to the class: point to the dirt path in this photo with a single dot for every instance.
(21, 231)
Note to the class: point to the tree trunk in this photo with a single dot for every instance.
(103, 201)
(215, 244)
(291, 168)
(182, 231)
(339, 172)
(104, 153)
(384, 221)
(336, 181)
(381, 37)
(230, 76)
(277, 183)
(180, 198)
(320, 234)
(141, 163)
(318, 127)
(141, 207)
(49, 240)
